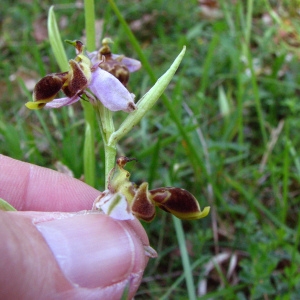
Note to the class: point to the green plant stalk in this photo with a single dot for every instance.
(104, 116)
(248, 22)
(89, 16)
(106, 126)
(185, 258)
(89, 158)
(286, 173)
(240, 106)
(89, 142)
(183, 252)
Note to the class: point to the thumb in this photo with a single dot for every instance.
(69, 256)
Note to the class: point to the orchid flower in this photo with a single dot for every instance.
(83, 77)
(123, 200)
(118, 65)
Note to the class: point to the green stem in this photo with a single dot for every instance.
(89, 141)
(110, 158)
(89, 15)
(104, 115)
(185, 259)
(286, 174)
(248, 22)
(107, 128)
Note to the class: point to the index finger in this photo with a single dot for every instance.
(30, 187)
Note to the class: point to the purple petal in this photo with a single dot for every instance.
(131, 63)
(111, 92)
(59, 102)
(93, 56)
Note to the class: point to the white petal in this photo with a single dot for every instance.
(114, 205)
(111, 92)
(59, 102)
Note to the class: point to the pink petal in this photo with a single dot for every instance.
(111, 92)
(93, 56)
(131, 63)
(59, 102)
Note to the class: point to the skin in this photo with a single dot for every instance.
(53, 247)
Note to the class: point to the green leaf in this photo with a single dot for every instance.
(6, 206)
(56, 42)
(147, 101)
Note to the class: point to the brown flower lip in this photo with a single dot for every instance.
(138, 201)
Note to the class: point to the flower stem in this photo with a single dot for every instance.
(89, 141)
(107, 128)
(89, 14)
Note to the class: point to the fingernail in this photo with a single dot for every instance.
(93, 250)
(150, 252)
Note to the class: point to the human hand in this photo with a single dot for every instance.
(51, 249)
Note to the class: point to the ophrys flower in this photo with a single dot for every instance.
(83, 77)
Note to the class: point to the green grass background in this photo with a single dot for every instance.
(227, 130)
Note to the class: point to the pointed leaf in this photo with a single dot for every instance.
(56, 42)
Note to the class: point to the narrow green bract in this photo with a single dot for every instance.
(56, 42)
(147, 101)
(6, 206)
